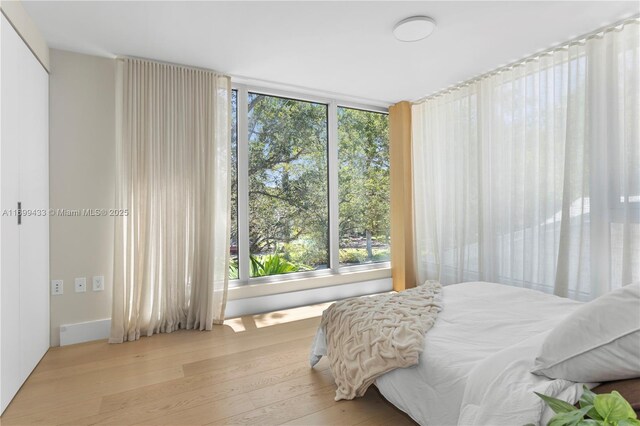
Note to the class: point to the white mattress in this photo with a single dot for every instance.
(476, 360)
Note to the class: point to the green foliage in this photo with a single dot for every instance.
(569, 418)
(381, 255)
(262, 266)
(609, 409)
(360, 255)
(273, 264)
(613, 407)
(305, 252)
(557, 405)
(587, 399)
(288, 189)
(233, 268)
(353, 255)
(363, 175)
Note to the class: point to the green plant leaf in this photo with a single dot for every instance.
(587, 400)
(592, 413)
(629, 422)
(613, 407)
(568, 418)
(557, 405)
(591, 422)
(256, 266)
(587, 397)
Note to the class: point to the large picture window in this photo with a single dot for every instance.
(288, 187)
(363, 184)
(310, 191)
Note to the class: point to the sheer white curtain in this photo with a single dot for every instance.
(531, 176)
(173, 178)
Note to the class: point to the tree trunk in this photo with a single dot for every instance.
(369, 248)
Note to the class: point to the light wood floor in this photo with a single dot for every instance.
(252, 371)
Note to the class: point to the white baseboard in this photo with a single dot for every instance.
(99, 329)
(84, 331)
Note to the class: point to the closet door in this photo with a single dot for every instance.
(9, 234)
(24, 248)
(34, 197)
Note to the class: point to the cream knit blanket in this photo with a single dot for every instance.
(369, 336)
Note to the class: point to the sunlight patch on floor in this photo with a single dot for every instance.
(251, 322)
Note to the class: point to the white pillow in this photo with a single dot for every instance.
(598, 342)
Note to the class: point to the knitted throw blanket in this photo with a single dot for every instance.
(369, 336)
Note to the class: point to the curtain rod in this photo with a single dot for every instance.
(619, 25)
(172, 64)
(267, 84)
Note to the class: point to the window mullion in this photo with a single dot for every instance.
(243, 187)
(334, 259)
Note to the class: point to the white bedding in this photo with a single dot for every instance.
(474, 369)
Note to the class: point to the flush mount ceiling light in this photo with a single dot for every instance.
(414, 28)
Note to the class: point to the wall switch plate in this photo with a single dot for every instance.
(57, 287)
(98, 283)
(81, 285)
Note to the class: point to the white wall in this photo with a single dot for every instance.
(81, 176)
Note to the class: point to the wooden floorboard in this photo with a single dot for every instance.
(252, 371)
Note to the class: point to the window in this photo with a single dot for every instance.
(233, 246)
(288, 186)
(363, 182)
(310, 187)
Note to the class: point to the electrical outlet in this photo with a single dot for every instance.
(81, 284)
(57, 287)
(98, 283)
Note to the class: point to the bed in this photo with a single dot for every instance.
(476, 362)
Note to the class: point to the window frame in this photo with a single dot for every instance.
(353, 273)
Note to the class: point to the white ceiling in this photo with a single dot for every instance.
(339, 47)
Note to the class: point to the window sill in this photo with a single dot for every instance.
(276, 285)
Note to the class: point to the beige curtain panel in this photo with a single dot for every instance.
(173, 186)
